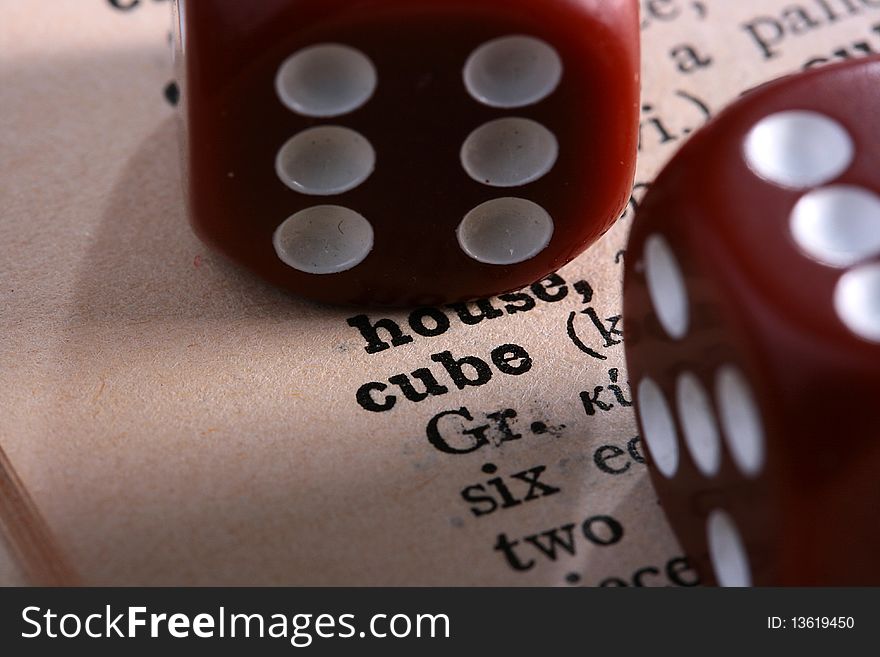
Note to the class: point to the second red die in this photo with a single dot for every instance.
(752, 305)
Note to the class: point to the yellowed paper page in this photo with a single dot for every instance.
(10, 574)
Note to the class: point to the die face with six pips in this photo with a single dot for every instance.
(407, 152)
(752, 306)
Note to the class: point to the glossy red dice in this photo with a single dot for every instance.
(407, 152)
(752, 305)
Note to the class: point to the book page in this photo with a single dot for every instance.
(170, 419)
(10, 571)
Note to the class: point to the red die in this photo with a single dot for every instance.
(407, 151)
(752, 305)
